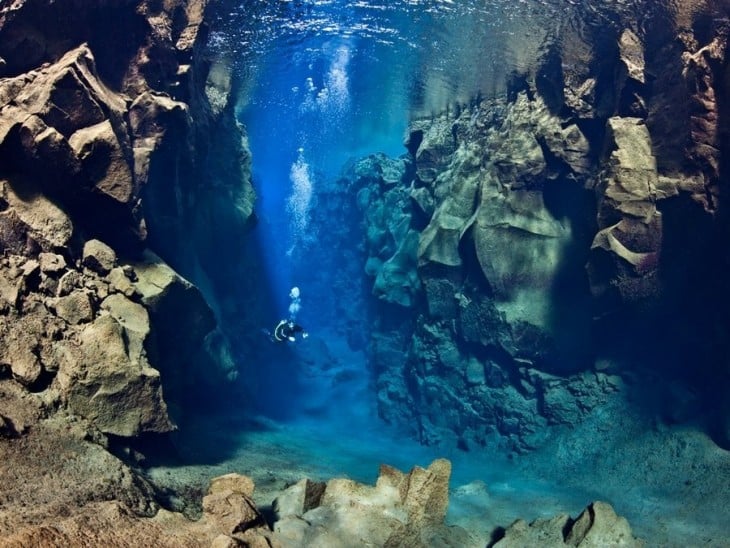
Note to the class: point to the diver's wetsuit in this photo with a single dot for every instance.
(285, 331)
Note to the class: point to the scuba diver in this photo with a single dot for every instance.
(286, 330)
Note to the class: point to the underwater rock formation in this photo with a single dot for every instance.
(598, 525)
(115, 154)
(113, 515)
(400, 510)
(520, 245)
(100, 141)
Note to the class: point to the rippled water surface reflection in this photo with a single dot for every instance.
(422, 54)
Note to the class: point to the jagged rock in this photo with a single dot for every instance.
(631, 52)
(203, 356)
(597, 526)
(69, 95)
(298, 499)
(439, 241)
(151, 117)
(625, 252)
(119, 281)
(36, 217)
(71, 280)
(135, 320)
(431, 143)
(69, 147)
(19, 410)
(401, 509)
(107, 380)
(474, 372)
(391, 242)
(19, 351)
(10, 287)
(166, 294)
(75, 308)
(228, 506)
(99, 257)
(104, 160)
(26, 342)
(99, 287)
(51, 263)
(397, 279)
(224, 541)
(518, 242)
(629, 185)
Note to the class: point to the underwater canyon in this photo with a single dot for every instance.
(494, 231)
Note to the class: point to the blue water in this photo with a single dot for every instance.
(303, 126)
(325, 82)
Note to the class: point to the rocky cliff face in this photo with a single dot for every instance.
(121, 168)
(553, 243)
(111, 132)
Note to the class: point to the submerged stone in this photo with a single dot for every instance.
(99, 257)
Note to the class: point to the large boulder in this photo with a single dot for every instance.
(597, 526)
(98, 256)
(109, 381)
(104, 160)
(401, 509)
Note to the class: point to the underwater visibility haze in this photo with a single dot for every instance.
(295, 239)
(464, 102)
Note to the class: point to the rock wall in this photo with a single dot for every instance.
(548, 246)
(122, 172)
(112, 135)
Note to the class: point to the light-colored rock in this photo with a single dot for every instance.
(68, 95)
(149, 116)
(120, 282)
(10, 287)
(228, 508)
(99, 379)
(235, 483)
(18, 349)
(19, 410)
(299, 498)
(28, 341)
(51, 263)
(155, 278)
(631, 51)
(541, 532)
(474, 372)
(439, 241)
(598, 526)
(225, 541)
(624, 257)
(135, 320)
(43, 220)
(75, 308)
(400, 510)
(99, 257)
